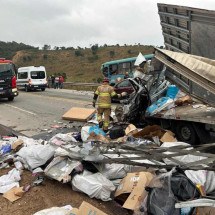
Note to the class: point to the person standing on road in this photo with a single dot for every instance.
(56, 83)
(61, 80)
(53, 79)
(104, 94)
(49, 81)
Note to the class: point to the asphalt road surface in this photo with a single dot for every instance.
(34, 112)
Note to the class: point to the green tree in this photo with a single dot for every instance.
(46, 47)
(94, 48)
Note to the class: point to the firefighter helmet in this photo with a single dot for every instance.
(105, 80)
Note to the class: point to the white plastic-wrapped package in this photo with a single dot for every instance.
(29, 141)
(66, 210)
(61, 139)
(10, 180)
(61, 167)
(36, 155)
(85, 133)
(94, 185)
(113, 171)
(202, 177)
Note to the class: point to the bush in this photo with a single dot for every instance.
(94, 49)
(99, 80)
(78, 53)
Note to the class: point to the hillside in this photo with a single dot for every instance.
(81, 65)
(9, 49)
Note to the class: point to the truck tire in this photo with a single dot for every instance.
(43, 89)
(185, 132)
(11, 98)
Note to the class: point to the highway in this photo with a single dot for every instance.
(34, 112)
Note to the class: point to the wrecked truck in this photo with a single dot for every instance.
(193, 120)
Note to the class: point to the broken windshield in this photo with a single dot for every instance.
(5, 70)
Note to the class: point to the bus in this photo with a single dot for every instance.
(116, 69)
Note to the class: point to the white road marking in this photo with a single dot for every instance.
(21, 109)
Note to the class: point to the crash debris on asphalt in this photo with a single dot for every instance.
(146, 170)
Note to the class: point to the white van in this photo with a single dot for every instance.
(32, 77)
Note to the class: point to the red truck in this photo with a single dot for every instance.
(8, 88)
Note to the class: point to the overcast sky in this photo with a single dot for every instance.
(84, 22)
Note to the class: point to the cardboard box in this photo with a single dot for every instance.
(17, 144)
(79, 114)
(88, 209)
(14, 194)
(168, 137)
(151, 131)
(131, 190)
(130, 130)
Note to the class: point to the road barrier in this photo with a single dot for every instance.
(81, 84)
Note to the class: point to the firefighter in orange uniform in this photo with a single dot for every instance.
(104, 94)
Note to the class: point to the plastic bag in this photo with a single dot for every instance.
(160, 200)
(166, 190)
(96, 130)
(85, 133)
(172, 91)
(5, 149)
(113, 171)
(66, 210)
(9, 180)
(36, 155)
(94, 185)
(60, 169)
(61, 139)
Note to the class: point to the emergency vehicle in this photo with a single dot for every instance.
(8, 88)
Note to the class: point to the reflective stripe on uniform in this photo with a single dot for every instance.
(104, 94)
(104, 105)
(113, 94)
(106, 124)
(99, 118)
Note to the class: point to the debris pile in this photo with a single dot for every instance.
(144, 170)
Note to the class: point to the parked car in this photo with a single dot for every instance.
(123, 86)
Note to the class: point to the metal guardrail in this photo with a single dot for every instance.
(81, 84)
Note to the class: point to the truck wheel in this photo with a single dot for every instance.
(26, 88)
(11, 98)
(186, 132)
(43, 89)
